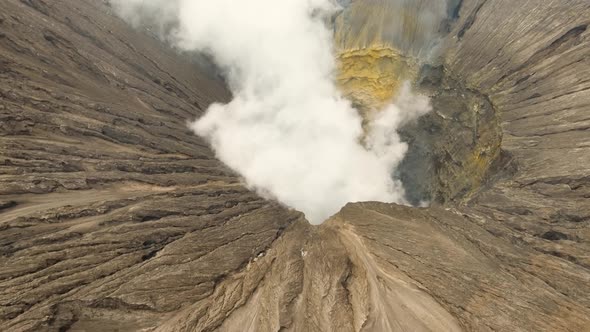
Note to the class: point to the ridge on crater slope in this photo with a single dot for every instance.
(113, 216)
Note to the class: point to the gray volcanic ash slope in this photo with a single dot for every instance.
(114, 216)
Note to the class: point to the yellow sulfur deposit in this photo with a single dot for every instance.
(378, 44)
(371, 76)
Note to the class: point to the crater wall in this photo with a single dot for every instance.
(113, 216)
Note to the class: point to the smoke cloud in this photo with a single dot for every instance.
(288, 131)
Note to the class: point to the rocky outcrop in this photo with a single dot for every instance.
(455, 149)
(379, 44)
(113, 216)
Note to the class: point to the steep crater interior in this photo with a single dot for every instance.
(115, 216)
(455, 149)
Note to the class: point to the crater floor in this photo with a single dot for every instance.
(113, 216)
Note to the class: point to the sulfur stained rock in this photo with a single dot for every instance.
(114, 217)
(381, 43)
(457, 148)
(454, 150)
(371, 77)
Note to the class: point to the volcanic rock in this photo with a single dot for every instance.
(115, 217)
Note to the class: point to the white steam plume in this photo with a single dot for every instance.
(288, 131)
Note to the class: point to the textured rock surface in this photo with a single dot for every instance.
(456, 148)
(113, 216)
(379, 44)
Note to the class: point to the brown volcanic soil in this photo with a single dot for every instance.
(115, 217)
